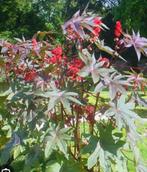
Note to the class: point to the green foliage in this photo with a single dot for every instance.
(57, 96)
(132, 14)
(107, 149)
(46, 108)
(19, 18)
(25, 17)
(57, 138)
(95, 69)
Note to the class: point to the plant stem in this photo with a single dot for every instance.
(77, 135)
(62, 114)
(91, 125)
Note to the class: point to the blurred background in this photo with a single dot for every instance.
(25, 17)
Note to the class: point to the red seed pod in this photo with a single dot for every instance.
(105, 60)
(30, 75)
(118, 29)
(89, 109)
(97, 21)
(96, 29)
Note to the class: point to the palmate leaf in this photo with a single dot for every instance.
(92, 160)
(32, 158)
(5, 153)
(92, 67)
(73, 99)
(57, 96)
(105, 157)
(106, 150)
(53, 166)
(139, 43)
(66, 104)
(71, 165)
(79, 22)
(53, 102)
(101, 155)
(141, 168)
(87, 58)
(110, 141)
(57, 140)
(121, 163)
(124, 115)
(140, 101)
(92, 140)
(116, 83)
(99, 87)
(66, 98)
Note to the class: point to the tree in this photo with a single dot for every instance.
(132, 14)
(24, 17)
(19, 18)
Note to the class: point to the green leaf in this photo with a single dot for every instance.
(100, 86)
(50, 145)
(6, 93)
(92, 160)
(5, 152)
(84, 71)
(4, 156)
(74, 100)
(95, 75)
(66, 104)
(32, 158)
(57, 96)
(72, 166)
(121, 163)
(141, 168)
(17, 151)
(107, 140)
(57, 139)
(116, 83)
(92, 140)
(52, 102)
(53, 166)
(107, 148)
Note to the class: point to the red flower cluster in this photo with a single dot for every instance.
(56, 56)
(30, 75)
(73, 68)
(57, 51)
(118, 29)
(96, 30)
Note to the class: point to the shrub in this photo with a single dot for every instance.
(48, 122)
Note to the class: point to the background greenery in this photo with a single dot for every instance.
(26, 17)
